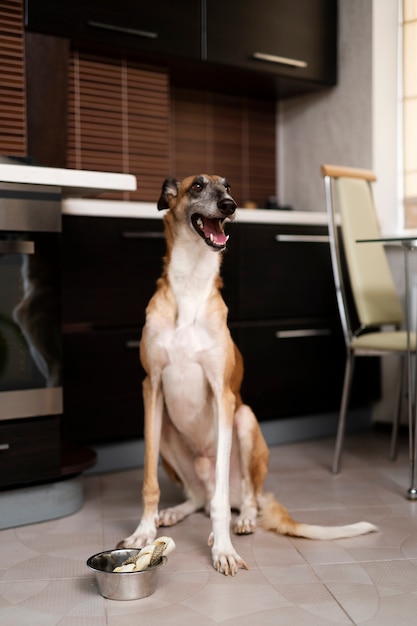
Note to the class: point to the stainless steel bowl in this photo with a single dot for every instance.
(122, 585)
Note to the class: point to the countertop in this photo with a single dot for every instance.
(146, 210)
(73, 183)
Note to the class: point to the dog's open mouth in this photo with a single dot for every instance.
(211, 230)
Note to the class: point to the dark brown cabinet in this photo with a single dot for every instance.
(30, 450)
(110, 269)
(278, 286)
(290, 38)
(138, 25)
(272, 47)
(111, 266)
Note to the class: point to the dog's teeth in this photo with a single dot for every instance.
(211, 237)
(200, 223)
(227, 238)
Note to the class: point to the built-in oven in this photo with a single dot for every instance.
(30, 296)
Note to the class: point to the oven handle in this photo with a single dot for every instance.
(17, 247)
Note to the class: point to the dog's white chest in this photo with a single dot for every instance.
(186, 387)
(187, 392)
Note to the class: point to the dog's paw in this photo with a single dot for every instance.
(244, 526)
(170, 517)
(136, 541)
(144, 535)
(226, 561)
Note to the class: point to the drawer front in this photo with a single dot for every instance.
(102, 386)
(29, 450)
(299, 371)
(111, 266)
(285, 273)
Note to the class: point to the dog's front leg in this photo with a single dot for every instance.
(225, 558)
(146, 531)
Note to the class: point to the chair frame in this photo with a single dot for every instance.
(329, 174)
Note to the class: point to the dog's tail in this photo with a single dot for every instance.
(275, 517)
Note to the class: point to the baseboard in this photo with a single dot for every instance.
(129, 454)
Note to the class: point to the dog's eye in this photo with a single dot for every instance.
(227, 187)
(197, 186)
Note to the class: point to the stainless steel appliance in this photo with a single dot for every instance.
(30, 319)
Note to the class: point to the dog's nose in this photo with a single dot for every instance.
(227, 206)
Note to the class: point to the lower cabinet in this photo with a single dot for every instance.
(102, 385)
(30, 450)
(298, 371)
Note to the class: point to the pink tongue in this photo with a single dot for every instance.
(213, 226)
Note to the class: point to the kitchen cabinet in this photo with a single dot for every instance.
(288, 38)
(287, 325)
(30, 450)
(144, 26)
(278, 286)
(110, 269)
(272, 47)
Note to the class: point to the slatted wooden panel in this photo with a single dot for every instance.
(125, 118)
(118, 120)
(12, 80)
(229, 135)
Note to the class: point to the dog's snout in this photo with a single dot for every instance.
(227, 206)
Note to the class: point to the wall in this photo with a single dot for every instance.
(333, 126)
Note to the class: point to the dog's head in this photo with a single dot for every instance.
(204, 202)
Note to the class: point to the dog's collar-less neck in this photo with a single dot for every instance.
(192, 271)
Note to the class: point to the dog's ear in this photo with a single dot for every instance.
(169, 191)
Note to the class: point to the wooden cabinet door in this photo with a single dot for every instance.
(295, 38)
(103, 386)
(111, 266)
(29, 450)
(162, 27)
(291, 372)
(285, 273)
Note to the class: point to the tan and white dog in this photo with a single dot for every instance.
(194, 415)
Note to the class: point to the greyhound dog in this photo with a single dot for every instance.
(208, 439)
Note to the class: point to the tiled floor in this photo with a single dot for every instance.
(368, 580)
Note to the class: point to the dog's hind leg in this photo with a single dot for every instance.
(253, 454)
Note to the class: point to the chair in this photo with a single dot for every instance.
(350, 205)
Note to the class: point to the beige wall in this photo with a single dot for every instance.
(333, 126)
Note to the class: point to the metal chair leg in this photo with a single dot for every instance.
(412, 415)
(347, 383)
(397, 411)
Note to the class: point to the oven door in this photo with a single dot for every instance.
(30, 297)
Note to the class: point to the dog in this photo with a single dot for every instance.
(195, 419)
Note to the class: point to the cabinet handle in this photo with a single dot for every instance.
(273, 58)
(4, 446)
(303, 332)
(138, 234)
(17, 247)
(132, 344)
(303, 238)
(146, 34)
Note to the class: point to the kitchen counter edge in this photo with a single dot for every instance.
(148, 210)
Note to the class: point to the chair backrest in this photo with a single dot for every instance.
(348, 194)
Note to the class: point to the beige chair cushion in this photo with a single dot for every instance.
(386, 341)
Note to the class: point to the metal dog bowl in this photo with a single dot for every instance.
(122, 585)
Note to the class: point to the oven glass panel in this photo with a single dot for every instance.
(30, 316)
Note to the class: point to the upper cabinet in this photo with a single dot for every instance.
(162, 27)
(289, 38)
(280, 47)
